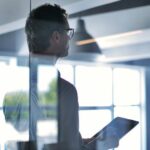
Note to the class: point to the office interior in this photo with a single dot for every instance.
(108, 63)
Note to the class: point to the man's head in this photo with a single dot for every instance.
(47, 31)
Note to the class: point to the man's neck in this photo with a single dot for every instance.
(51, 60)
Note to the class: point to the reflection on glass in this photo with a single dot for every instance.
(47, 126)
(14, 114)
(94, 85)
(134, 136)
(92, 121)
(15, 109)
(14, 93)
(126, 86)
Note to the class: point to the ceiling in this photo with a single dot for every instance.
(121, 27)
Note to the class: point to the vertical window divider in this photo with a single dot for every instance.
(143, 109)
(74, 74)
(112, 108)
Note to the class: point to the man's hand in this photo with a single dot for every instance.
(107, 140)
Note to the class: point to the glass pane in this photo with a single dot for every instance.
(14, 93)
(47, 90)
(9, 12)
(126, 86)
(45, 102)
(14, 87)
(12, 33)
(126, 142)
(92, 121)
(94, 85)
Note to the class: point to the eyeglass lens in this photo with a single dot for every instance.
(70, 33)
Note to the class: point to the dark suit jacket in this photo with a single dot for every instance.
(69, 120)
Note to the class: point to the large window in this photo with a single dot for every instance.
(27, 113)
(106, 92)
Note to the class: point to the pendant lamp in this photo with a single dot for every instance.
(80, 35)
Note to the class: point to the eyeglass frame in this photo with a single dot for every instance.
(70, 32)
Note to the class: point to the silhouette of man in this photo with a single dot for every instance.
(48, 34)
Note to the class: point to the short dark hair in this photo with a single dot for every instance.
(41, 23)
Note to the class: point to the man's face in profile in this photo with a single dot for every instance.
(59, 41)
(64, 41)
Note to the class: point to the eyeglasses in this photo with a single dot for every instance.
(70, 32)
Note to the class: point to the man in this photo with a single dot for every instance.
(48, 33)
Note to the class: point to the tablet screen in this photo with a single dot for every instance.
(121, 126)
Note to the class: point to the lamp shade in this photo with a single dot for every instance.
(81, 35)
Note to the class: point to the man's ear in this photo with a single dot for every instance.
(55, 38)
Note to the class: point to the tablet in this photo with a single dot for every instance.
(121, 126)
